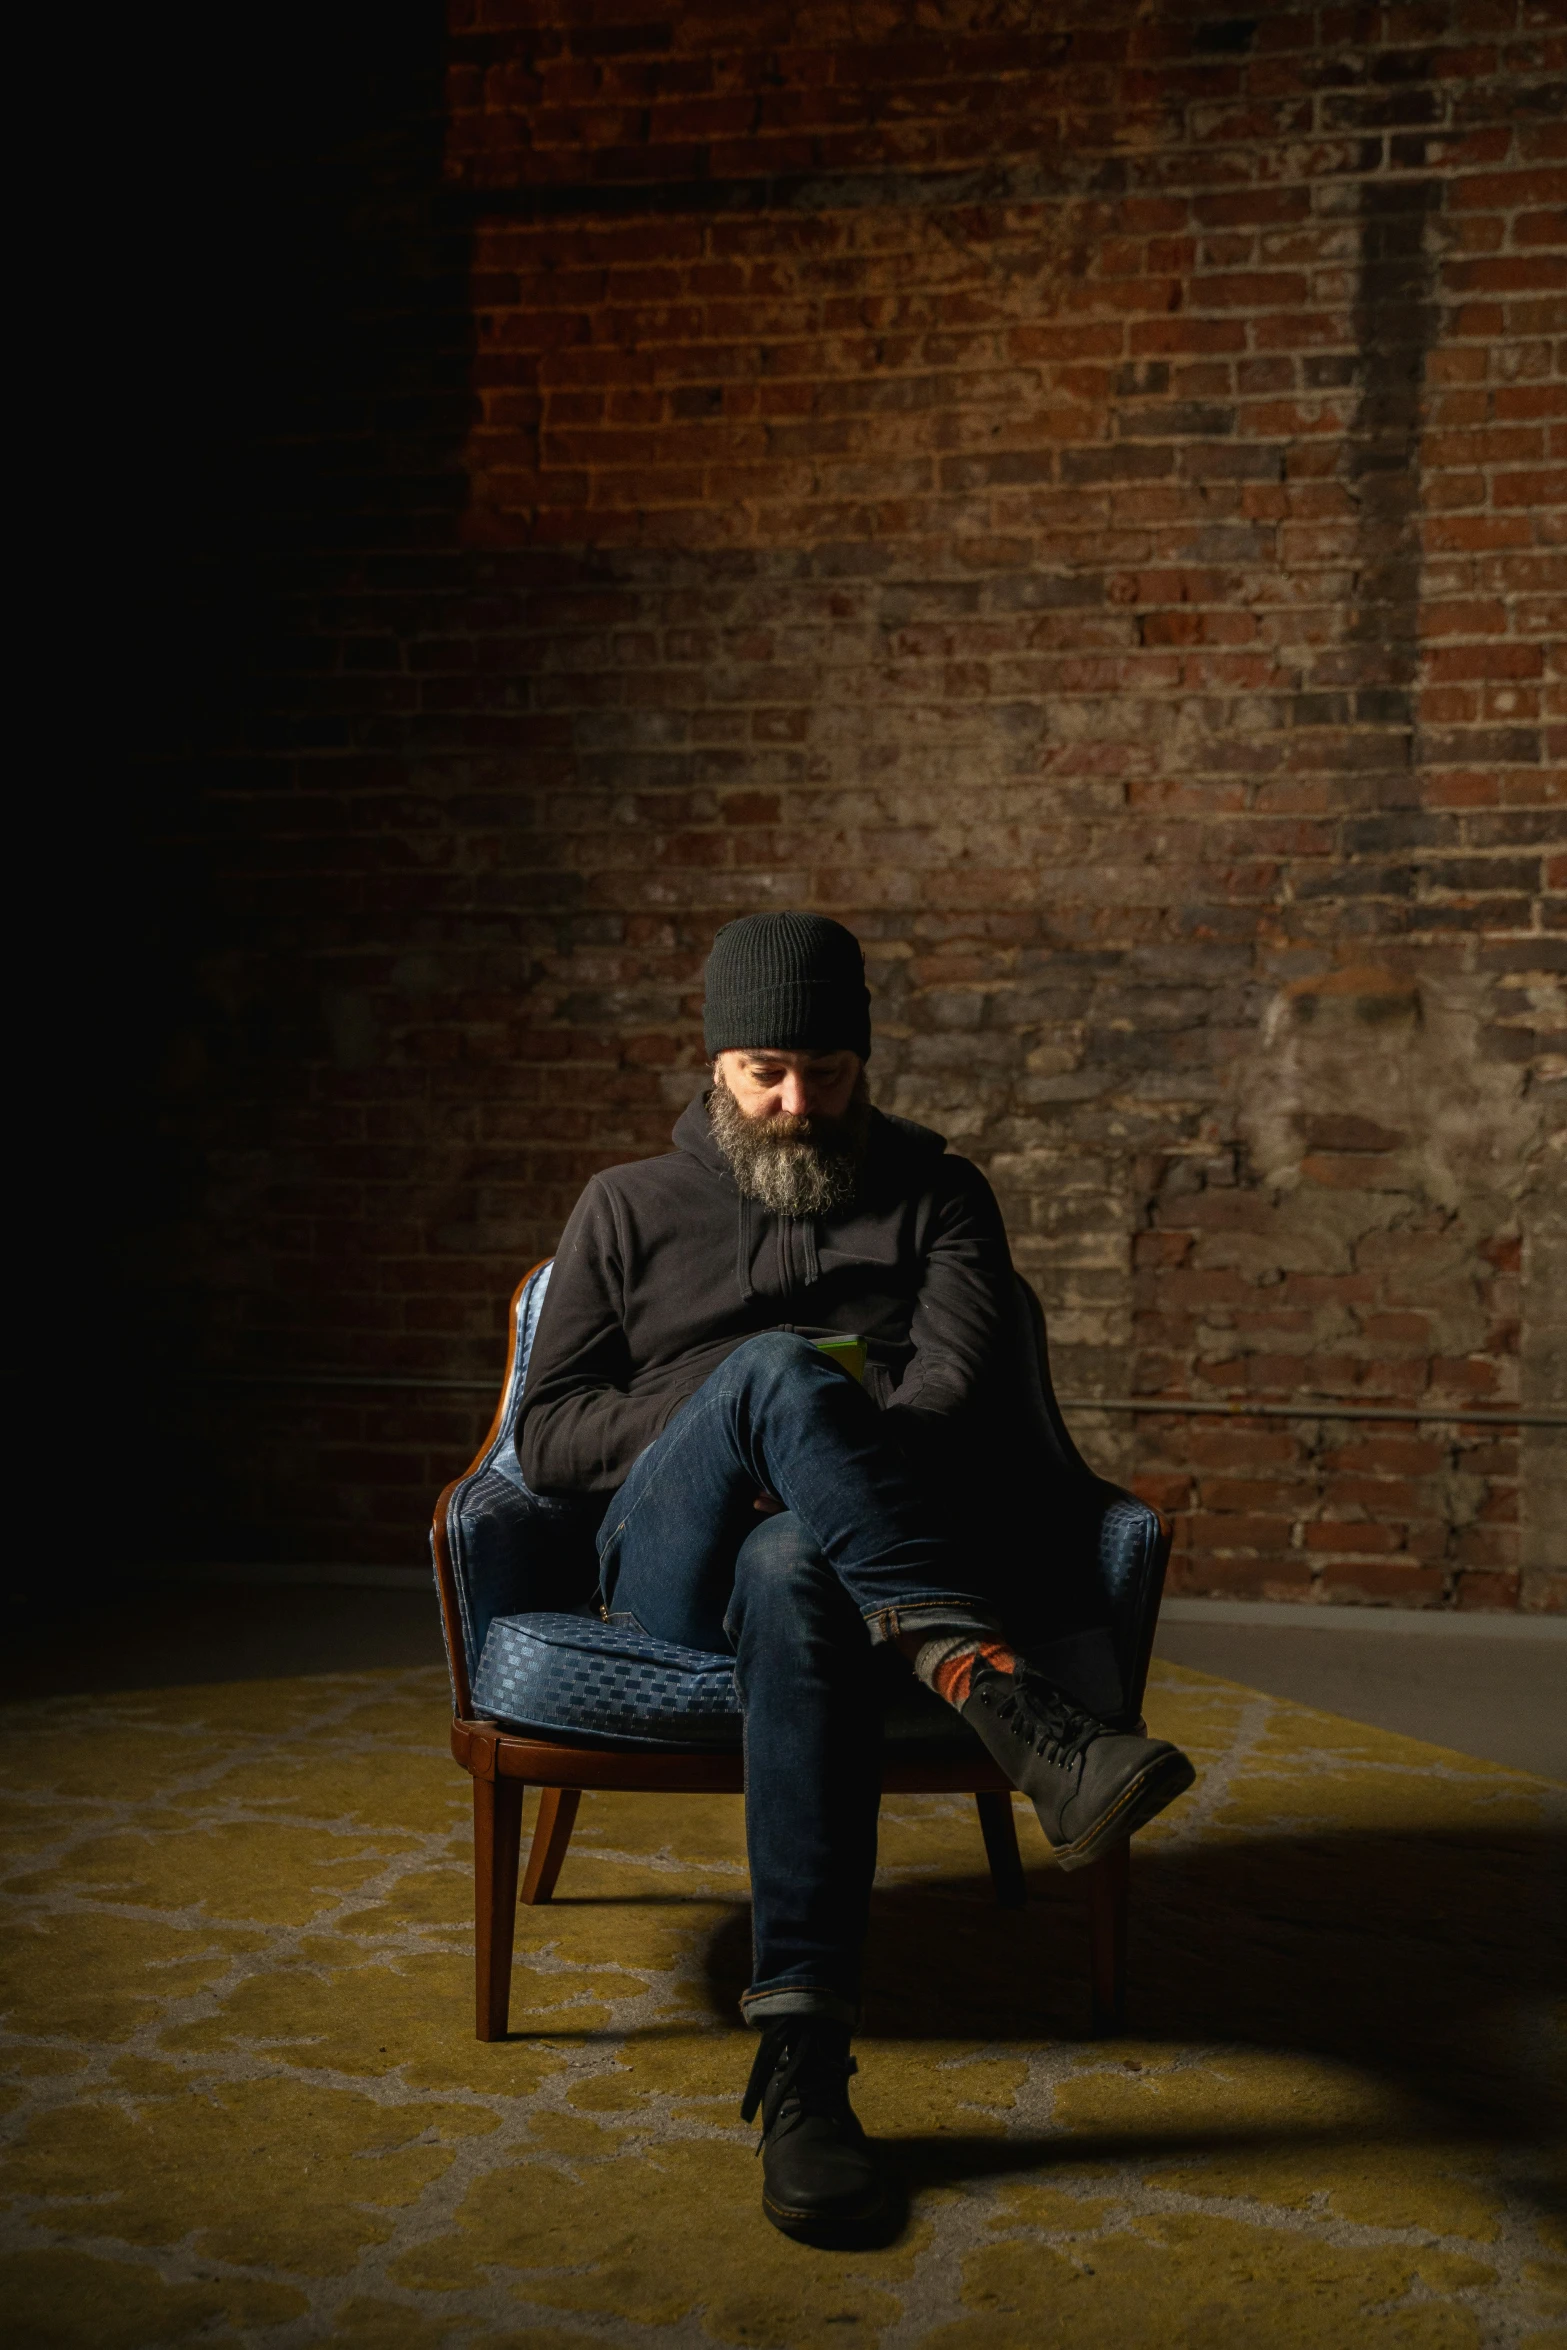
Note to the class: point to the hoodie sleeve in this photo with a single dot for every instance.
(579, 1429)
(962, 1322)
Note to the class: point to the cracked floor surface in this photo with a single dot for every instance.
(245, 2104)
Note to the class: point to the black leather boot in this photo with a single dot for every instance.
(1091, 1785)
(820, 2180)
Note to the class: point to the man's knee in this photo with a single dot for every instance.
(778, 1371)
(775, 1360)
(778, 1556)
(785, 1590)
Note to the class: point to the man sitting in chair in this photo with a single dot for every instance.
(762, 1502)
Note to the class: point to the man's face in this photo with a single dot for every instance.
(790, 1085)
(792, 1126)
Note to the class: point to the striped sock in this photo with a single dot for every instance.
(947, 1665)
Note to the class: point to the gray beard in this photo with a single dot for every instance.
(794, 1166)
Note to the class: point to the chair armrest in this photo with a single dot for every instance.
(1132, 1551)
(501, 1549)
(1085, 1598)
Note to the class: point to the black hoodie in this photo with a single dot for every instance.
(664, 1268)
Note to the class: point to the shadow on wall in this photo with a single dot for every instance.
(302, 334)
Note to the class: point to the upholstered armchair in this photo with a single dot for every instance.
(546, 1694)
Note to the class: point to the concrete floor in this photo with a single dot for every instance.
(1502, 1699)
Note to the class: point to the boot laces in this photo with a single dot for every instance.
(1056, 1728)
(796, 2077)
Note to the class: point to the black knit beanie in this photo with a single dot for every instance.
(789, 983)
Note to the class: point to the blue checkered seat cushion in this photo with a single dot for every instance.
(576, 1678)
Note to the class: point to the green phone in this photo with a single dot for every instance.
(849, 1352)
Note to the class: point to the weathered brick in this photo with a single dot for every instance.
(1125, 596)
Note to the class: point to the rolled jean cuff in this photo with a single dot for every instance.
(931, 1615)
(764, 2007)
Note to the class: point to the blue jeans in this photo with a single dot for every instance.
(803, 1600)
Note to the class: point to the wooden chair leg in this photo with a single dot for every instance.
(1106, 1883)
(551, 1835)
(497, 1847)
(999, 1830)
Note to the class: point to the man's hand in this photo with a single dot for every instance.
(768, 1504)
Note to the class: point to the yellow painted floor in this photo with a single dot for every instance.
(246, 2106)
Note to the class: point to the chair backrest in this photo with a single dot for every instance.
(499, 1547)
(1043, 1413)
(500, 1446)
(502, 1549)
(1125, 1542)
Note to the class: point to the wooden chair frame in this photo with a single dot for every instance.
(504, 1763)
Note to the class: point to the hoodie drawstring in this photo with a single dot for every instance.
(743, 1251)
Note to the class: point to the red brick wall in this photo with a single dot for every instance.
(1084, 506)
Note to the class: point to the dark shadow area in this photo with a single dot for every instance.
(952, 2159)
(292, 373)
(1416, 1959)
(174, 1635)
(630, 1900)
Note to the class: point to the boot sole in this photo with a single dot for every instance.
(1138, 1802)
(830, 2228)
